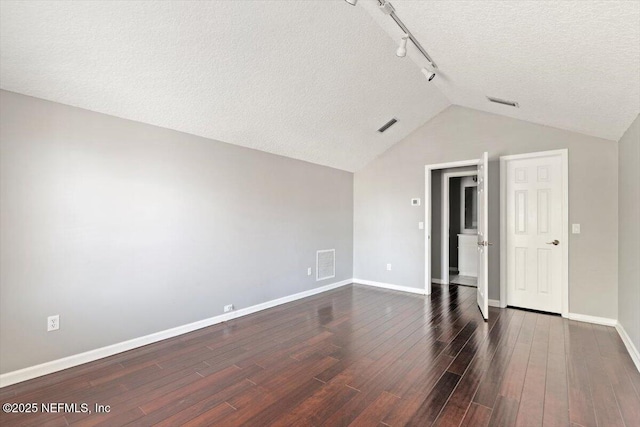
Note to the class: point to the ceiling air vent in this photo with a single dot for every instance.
(388, 125)
(503, 102)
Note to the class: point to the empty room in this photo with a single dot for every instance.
(320, 213)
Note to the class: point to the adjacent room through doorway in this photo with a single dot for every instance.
(460, 227)
(470, 229)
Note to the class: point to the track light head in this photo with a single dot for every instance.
(352, 2)
(402, 49)
(429, 72)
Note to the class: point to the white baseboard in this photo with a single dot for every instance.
(390, 286)
(494, 303)
(78, 359)
(592, 319)
(631, 348)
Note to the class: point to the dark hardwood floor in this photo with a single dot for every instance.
(358, 356)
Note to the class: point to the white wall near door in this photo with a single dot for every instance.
(534, 235)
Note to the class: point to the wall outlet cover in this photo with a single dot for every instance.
(575, 228)
(388, 267)
(228, 308)
(53, 323)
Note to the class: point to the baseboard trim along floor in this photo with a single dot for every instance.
(78, 359)
(89, 356)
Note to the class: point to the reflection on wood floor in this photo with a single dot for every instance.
(463, 280)
(358, 356)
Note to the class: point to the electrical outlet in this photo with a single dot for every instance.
(53, 323)
(388, 267)
(309, 271)
(228, 308)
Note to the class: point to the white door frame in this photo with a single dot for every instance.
(427, 213)
(564, 157)
(445, 220)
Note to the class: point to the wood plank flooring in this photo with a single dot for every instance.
(357, 356)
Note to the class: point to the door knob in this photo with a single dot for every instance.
(555, 242)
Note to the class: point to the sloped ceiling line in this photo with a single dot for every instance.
(229, 70)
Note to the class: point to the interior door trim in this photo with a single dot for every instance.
(564, 157)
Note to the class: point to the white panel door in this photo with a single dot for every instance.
(534, 229)
(483, 228)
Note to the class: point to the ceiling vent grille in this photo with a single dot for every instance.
(325, 264)
(388, 125)
(503, 102)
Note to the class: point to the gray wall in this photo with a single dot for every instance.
(629, 232)
(125, 229)
(385, 225)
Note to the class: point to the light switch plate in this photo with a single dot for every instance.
(421, 225)
(575, 228)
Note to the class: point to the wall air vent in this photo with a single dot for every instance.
(503, 102)
(325, 264)
(388, 125)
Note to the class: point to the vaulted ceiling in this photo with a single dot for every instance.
(315, 80)
(573, 65)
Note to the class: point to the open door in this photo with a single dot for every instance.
(483, 227)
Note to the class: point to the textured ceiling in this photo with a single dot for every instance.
(569, 64)
(308, 80)
(315, 80)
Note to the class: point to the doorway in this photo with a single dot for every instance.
(534, 222)
(459, 227)
(482, 190)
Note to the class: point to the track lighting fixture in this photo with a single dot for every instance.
(429, 72)
(387, 8)
(402, 49)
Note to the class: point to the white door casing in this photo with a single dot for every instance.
(483, 240)
(535, 238)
